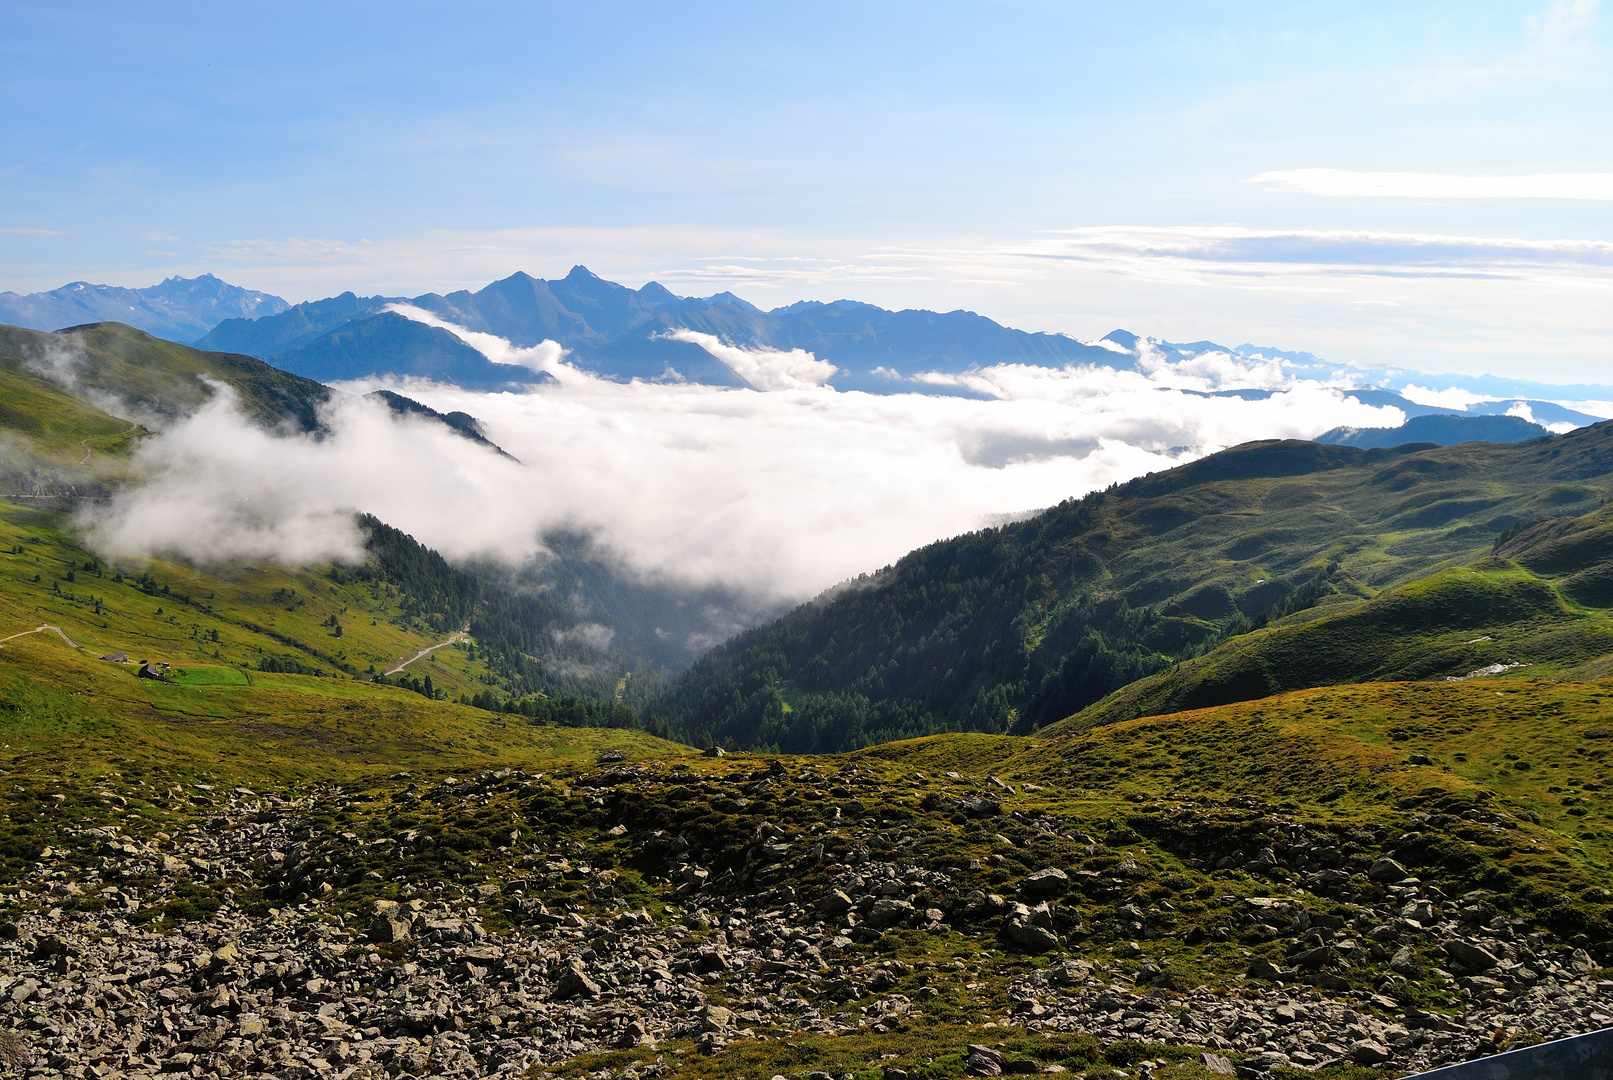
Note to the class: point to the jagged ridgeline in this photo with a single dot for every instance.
(1013, 628)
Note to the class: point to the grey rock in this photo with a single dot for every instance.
(1386, 872)
(983, 1061)
(1469, 955)
(834, 903)
(1370, 1052)
(1045, 884)
(888, 912)
(1405, 962)
(575, 983)
(1030, 937)
(1261, 968)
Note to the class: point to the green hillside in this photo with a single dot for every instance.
(58, 446)
(51, 441)
(1538, 607)
(1011, 628)
(132, 372)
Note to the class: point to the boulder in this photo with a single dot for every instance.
(834, 903)
(983, 1061)
(889, 912)
(1261, 968)
(1469, 955)
(1386, 872)
(1045, 884)
(390, 928)
(1030, 928)
(1369, 1052)
(1030, 937)
(575, 983)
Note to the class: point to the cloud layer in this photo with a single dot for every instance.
(778, 493)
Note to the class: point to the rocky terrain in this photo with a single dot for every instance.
(646, 919)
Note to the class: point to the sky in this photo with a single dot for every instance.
(1426, 185)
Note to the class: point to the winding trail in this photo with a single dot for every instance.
(41, 628)
(90, 452)
(458, 635)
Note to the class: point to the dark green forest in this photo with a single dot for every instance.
(518, 630)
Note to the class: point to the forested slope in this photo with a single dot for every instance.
(1016, 627)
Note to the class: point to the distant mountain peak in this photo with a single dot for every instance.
(726, 297)
(1124, 338)
(177, 308)
(582, 273)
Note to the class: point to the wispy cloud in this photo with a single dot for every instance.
(1242, 252)
(1345, 184)
(763, 369)
(544, 357)
(1563, 21)
(19, 231)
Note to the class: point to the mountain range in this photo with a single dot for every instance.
(626, 333)
(652, 333)
(179, 309)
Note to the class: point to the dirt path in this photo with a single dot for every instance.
(458, 635)
(85, 443)
(40, 629)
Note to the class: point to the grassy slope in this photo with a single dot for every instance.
(1541, 604)
(256, 612)
(1146, 810)
(977, 632)
(150, 376)
(53, 425)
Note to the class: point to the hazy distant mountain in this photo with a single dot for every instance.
(178, 309)
(624, 333)
(390, 344)
(297, 325)
(627, 333)
(1446, 430)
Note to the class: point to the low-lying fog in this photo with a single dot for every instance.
(777, 493)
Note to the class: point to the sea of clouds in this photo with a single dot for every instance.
(778, 491)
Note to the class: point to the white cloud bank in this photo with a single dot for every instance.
(1343, 184)
(763, 369)
(778, 493)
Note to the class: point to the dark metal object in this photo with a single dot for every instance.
(1584, 1057)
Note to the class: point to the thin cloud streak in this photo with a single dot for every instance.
(1344, 184)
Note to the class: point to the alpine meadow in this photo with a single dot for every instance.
(873, 543)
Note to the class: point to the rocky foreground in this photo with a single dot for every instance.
(276, 953)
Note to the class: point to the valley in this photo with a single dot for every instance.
(1286, 762)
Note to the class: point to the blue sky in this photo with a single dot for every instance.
(1428, 185)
